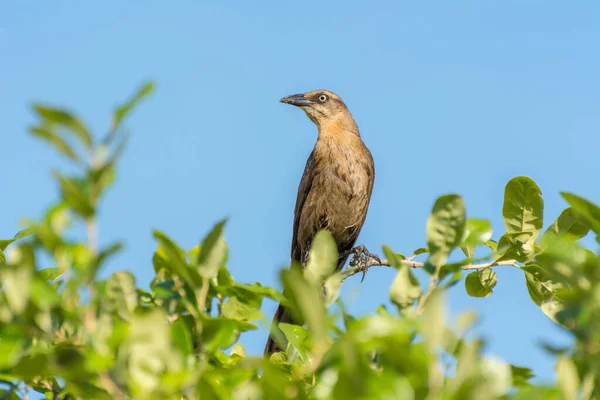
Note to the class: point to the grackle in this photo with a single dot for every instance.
(336, 186)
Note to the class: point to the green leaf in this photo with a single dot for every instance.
(182, 337)
(480, 283)
(498, 374)
(120, 288)
(569, 223)
(19, 235)
(123, 110)
(295, 335)
(75, 191)
(543, 290)
(235, 309)
(213, 252)
(586, 208)
(445, 228)
(434, 317)
(568, 378)
(55, 140)
(523, 206)
(517, 246)
(420, 250)
(521, 375)
(16, 279)
(238, 349)
(405, 289)
(11, 346)
(65, 119)
(322, 258)
(492, 244)
(171, 257)
(306, 302)
(477, 231)
(219, 333)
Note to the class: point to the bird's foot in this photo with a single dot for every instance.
(364, 259)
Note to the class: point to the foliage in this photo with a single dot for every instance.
(66, 334)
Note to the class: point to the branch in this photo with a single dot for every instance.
(372, 262)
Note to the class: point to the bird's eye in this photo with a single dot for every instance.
(322, 98)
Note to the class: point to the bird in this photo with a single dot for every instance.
(335, 189)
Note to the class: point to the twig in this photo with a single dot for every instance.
(415, 264)
(430, 288)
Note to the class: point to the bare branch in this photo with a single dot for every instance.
(371, 262)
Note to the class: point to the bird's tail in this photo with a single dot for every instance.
(276, 341)
(281, 315)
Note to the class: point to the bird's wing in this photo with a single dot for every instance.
(303, 190)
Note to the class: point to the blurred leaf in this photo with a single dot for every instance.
(521, 375)
(306, 300)
(434, 316)
(480, 283)
(175, 261)
(492, 244)
(16, 279)
(542, 288)
(296, 335)
(238, 349)
(11, 346)
(123, 110)
(235, 309)
(182, 337)
(19, 235)
(55, 140)
(420, 250)
(445, 228)
(219, 333)
(586, 208)
(213, 252)
(120, 288)
(322, 259)
(523, 206)
(65, 119)
(569, 223)
(75, 192)
(477, 231)
(499, 375)
(568, 378)
(405, 289)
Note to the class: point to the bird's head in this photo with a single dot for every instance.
(320, 106)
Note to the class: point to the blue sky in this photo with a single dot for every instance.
(449, 96)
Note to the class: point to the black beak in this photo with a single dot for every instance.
(296, 100)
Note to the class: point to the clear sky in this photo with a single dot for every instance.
(449, 96)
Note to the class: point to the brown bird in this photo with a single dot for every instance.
(335, 189)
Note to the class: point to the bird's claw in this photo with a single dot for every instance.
(364, 259)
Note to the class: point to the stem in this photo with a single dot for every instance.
(92, 235)
(203, 293)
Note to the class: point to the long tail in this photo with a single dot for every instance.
(283, 315)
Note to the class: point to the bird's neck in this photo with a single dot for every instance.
(338, 128)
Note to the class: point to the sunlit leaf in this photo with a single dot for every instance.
(123, 110)
(445, 228)
(213, 252)
(480, 283)
(523, 206)
(323, 258)
(586, 208)
(65, 119)
(405, 289)
(569, 223)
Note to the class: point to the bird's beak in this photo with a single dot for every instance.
(296, 100)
